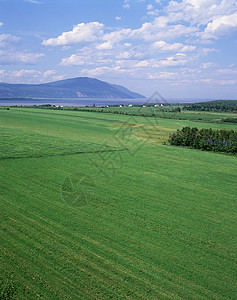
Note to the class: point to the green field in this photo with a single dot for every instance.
(95, 206)
(166, 112)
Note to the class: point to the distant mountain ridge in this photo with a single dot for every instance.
(80, 87)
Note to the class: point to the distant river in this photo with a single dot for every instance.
(71, 102)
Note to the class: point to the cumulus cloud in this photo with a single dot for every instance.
(177, 20)
(73, 60)
(83, 32)
(221, 27)
(118, 36)
(1, 24)
(163, 46)
(200, 12)
(161, 29)
(105, 46)
(172, 39)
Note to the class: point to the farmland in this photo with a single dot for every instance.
(95, 206)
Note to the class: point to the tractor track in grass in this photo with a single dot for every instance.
(71, 115)
(60, 154)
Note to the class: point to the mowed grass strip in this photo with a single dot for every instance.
(163, 226)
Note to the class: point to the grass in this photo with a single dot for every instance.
(144, 221)
(166, 112)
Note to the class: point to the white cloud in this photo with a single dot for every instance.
(9, 54)
(163, 75)
(103, 70)
(173, 40)
(118, 36)
(105, 46)
(163, 46)
(22, 73)
(1, 24)
(150, 7)
(124, 55)
(49, 73)
(83, 32)
(34, 1)
(169, 26)
(30, 76)
(6, 39)
(161, 29)
(126, 4)
(154, 12)
(221, 27)
(177, 60)
(227, 82)
(15, 57)
(200, 12)
(74, 60)
(151, 10)
(142, 64)
(227, 72)
(208, 65)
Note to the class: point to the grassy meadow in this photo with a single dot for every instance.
(167, 112)
(95, 206)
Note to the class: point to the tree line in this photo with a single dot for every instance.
(205, 139)
(211, 107)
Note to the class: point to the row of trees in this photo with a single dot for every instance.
(205, 139)
(211, 107)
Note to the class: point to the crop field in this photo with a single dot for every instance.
(95, 206)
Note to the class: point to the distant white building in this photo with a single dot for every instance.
(144, 106)
(161, 104)
(156, 105)
(130, 105)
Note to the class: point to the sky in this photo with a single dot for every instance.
(181, 48)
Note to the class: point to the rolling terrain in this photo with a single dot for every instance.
(94, 206)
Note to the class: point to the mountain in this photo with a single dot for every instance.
(80, 87)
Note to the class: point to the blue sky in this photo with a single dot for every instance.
(180, 48)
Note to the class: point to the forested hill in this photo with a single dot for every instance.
(80, 87)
